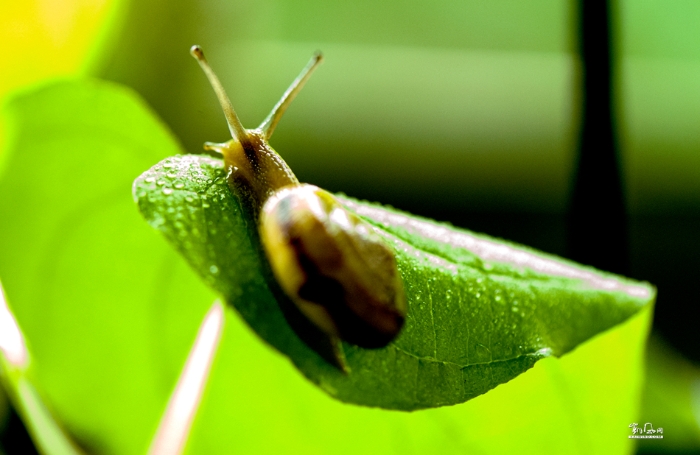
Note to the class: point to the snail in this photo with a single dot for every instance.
(333, 266)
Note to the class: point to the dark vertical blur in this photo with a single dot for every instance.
(664, 249)
(597, 219)
(14, 438)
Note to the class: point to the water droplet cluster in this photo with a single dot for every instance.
(188, 199)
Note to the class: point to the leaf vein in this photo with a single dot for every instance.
(489, 362)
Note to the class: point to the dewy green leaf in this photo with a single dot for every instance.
(110, 311)
(481, 311)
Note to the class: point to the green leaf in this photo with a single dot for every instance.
(50, 40)
(14, 363)
(108, 309)
(670, 400)
(481, 311)
(258, 403)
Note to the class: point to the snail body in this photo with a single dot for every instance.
(330, 263)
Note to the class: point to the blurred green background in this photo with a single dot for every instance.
(465, 111)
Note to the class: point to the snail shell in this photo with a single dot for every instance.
(333, 265)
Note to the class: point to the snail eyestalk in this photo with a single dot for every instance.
(269, 124)
(237, 129)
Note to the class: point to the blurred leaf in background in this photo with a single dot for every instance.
(671, 400)
(108, 308)
(45, 39)
(50, 38)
